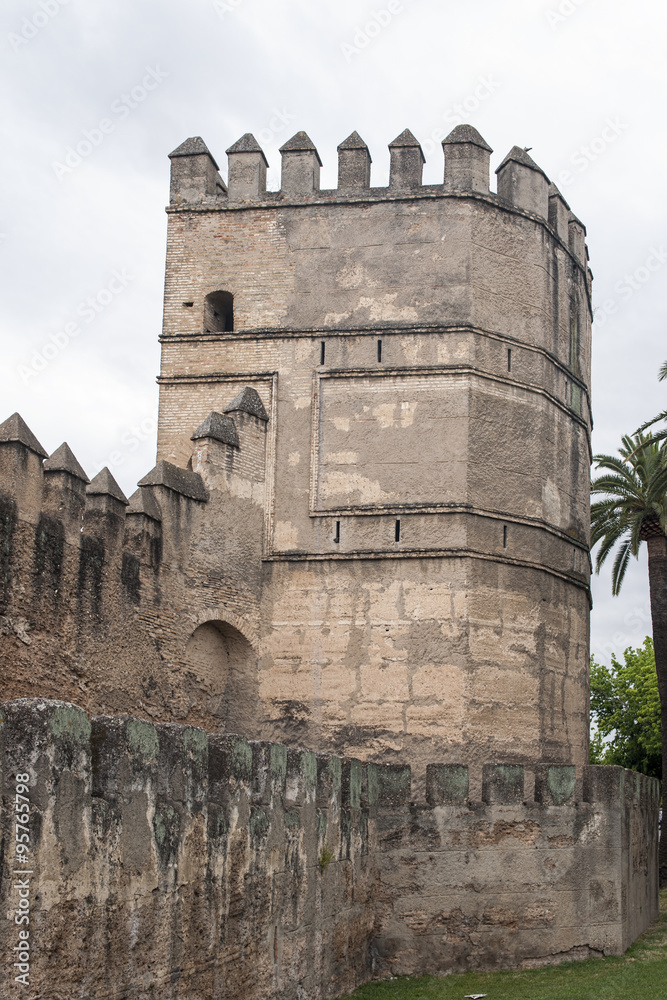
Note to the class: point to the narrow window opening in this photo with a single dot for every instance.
(505, 536)
(379, 350)
(574, 333)
(188, 305)
(567, 386)
(397, 530)
(219, 312)
(337, 535)
(509, 359)
(322, 352)
(275, 945)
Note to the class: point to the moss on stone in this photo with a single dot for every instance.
(142, 739)
(335, 770)
(356, 773)
(71, 723)
(278, 761)
(309, 769)
(561, 781)
(195, 741)
(259, 824)
(240, 758)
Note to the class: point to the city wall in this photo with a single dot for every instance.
(100, 596)
(167, 863)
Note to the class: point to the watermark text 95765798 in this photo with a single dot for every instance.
(22, 873)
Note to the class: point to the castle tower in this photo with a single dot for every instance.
(422, 357)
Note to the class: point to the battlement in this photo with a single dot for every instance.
(91, 580)
(55, 492)
(522, 185)
(285, 870)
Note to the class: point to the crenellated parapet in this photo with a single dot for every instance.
(286, 870)
(92, 584)
(194, 173)
(262, 856)
(522, 184)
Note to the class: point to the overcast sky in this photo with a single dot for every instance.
(82, 238)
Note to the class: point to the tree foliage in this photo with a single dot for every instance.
(625, 709)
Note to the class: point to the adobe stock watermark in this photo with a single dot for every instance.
(33, 23)
(277, 123)
(224, 7)
(461, 112)
(370, 29)
(136, 434)
(582, 158)
(86, 311)
(631, 283)
(21, 884)
(566, 8)
(121, 108)
(637, 620)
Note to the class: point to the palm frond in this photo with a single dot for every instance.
(632, 488)
(653, 420)
(619, 567)
(608, 542)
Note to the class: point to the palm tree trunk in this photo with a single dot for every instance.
(657, 577)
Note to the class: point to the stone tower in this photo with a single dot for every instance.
(412, 364)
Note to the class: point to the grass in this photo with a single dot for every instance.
(640, 974)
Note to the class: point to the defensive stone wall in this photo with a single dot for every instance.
(163, 862)
(168, 863)
(100, 596)
(512, 881)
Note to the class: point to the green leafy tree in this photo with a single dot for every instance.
(632, 510)
(625, 708)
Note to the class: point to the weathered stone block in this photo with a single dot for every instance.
(502, 783)
(447, 784)
(555, 783)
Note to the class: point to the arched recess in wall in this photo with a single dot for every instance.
(219, 312)
(222, 664)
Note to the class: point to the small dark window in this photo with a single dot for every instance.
(219, 312)
(397, 530)
(509, 359)
(379, 350)
(188, 305)
(322, 352)
(337, 535)
(505, 536)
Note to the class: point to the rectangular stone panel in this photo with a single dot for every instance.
(390, 440)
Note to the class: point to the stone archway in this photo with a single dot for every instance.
(223, 664)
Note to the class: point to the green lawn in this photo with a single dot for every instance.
(640, 974)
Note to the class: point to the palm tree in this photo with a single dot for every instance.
(660, 435)
(633, 509)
